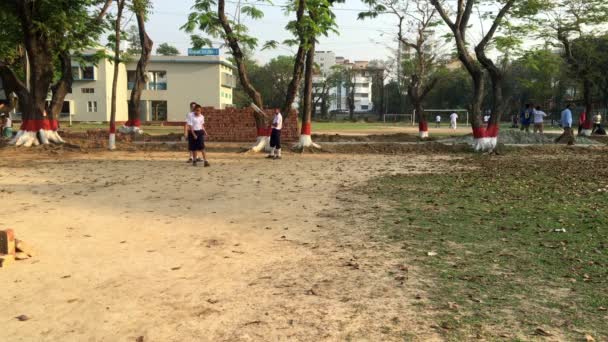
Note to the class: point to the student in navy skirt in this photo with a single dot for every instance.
(196, 135)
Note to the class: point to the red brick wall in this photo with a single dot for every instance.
(238, 125)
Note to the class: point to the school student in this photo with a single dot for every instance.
(196, 136)
(186, 129)
(275, 135)
(526, 118)
(566, 123)
(7, 126)
(438, 121)
(453, 120)
(539, 120)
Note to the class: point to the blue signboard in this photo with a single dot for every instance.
(204, 52)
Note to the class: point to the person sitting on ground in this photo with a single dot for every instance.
(597, 122)
(186, 129)
(438, 121)
(7, 126)
(196, 135)
(539, 120)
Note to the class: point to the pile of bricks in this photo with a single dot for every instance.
(12, 249)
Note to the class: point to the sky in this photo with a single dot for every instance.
(360, 40)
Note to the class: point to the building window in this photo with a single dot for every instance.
(92, 107)
(83, 73)
(361, 95)
(157, 80)
(130, 79)
(159, 111)
(88, 90)
(364, 107)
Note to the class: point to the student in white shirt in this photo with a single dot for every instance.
(186, 129)
(275, 136)
(7, 126)
(196, 135)
(438, 121)
(539, 119)
(453, 121)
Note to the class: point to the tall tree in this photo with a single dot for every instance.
(419, 17)
(120, 6)
(48, 30)
(141, 10)
(485, 137)
(576, 24)
(165, 49)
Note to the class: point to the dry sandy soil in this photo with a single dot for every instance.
(139, 244)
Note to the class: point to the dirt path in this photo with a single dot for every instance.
(140, 244)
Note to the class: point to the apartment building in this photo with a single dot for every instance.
(358, 73)
(172, 83)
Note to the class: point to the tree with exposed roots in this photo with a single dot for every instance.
(133, 125)
(485, 137)
(420, 18)
(48, 30)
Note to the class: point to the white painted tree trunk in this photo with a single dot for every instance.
(130, 129)
(112, 142)
(586, 132)
(32, 138)
(262, 144)
(423, 134)
(485, 144)
(304, 142)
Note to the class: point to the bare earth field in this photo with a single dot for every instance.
(139, 244)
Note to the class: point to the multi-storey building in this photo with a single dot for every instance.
(172, 82)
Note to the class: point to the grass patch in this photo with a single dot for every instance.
(504, 267)
(149, 129)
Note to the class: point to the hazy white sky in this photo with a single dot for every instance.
(362, 40)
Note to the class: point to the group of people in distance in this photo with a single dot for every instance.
(195, 132)
(532, 115)
(453, 121)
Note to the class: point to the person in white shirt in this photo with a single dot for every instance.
(186, 129)
(7, 126)
(539, 119)
(196, 135)
(275, 136)
(438, 121)
(453, 121)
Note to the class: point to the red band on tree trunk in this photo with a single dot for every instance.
(38, 124)
(133, 123)
(264, 131)
(113, 128)
(423, 126)
(482, 132)
(306, 128)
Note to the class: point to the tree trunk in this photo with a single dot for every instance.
(587, 125)
(134, 123)
(117, 37)
(305, 132)
(298, 67)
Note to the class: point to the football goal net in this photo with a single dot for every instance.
(404, 118)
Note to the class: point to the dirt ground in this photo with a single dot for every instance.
(139, 244)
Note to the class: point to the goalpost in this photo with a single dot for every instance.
(405, 118)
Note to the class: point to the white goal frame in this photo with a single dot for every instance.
(411, 119)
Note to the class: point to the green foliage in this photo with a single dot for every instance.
(165, 49)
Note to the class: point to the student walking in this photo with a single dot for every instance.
(187, 130)
(539, 120)
(438, 121)
(196, 136)
(275, 136)
(566, 123)
(453, 121)
(581, 121)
